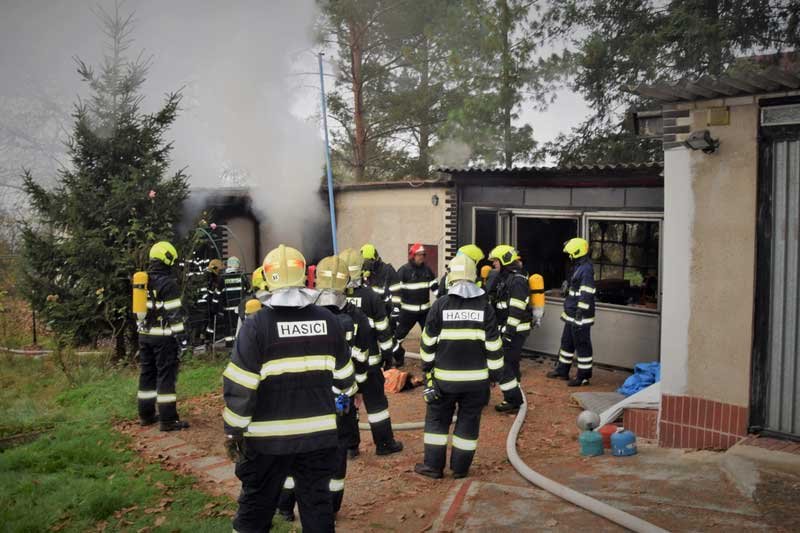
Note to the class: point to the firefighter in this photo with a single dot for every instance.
(331, 280)
(162, 336)
(461, 353)
(280, 409)
(235, 290)
(214, 294)
(578, 316)
(471, 251)
(514, 316)
(415, 281)
(379, 276)
(371, 383)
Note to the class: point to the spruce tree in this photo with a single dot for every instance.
(92, 231)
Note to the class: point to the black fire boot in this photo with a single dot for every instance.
(577, 382)
(389, 448)
(149, 421)
(554, 374)
(425, 470)
(174, 425)
(506, 407)
(460, 475)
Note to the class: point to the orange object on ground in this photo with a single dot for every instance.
(606, 431)
(395, 380)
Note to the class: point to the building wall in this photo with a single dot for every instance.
(391, 219)
(709, 259)
(709, 277)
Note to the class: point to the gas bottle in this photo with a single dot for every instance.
(485, 273)
(623, 443)
(311, 276)
(591, 443)
(139, 304)
(606, 431)
(536, 286)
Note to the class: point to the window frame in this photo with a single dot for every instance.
(631, 216)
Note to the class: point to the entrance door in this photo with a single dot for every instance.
(776, 361)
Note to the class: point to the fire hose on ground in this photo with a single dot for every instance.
(574, 497)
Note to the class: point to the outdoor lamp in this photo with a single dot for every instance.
(702, 140)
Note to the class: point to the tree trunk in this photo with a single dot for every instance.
(423, 161)
(119, 346)
(714, 41)
(506, 90)
(360, 140)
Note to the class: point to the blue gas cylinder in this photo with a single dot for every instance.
(591, 443)
(623, 443)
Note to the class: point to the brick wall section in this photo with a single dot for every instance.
(643, 422)
(690, 422)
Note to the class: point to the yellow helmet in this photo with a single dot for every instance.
(332, 274)
(368, 251)
(504, 253)
(258, 281)
(576, 248)
(215, 266)
(284, 267)
(471, 251)
(461, 268)
(164, 252)
(354, 261)
(252, 307)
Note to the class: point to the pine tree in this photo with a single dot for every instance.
(94, 228)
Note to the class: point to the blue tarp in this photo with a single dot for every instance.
(644, 375)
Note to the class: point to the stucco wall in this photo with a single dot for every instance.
(391, 219)
(712, 199)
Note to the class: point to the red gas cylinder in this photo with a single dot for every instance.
(311, 276)
(606, 431)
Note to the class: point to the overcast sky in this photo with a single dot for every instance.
(248, 103)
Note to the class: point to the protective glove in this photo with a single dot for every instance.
(395, 314)
(183, 344)
(342, 404)
(578, 316)
(565, 288)
(431, 392)
(234, 446)
(505, 334)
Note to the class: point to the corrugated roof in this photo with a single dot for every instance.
(650, 165)
(733, 83)
(399, 184)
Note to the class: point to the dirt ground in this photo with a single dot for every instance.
(385, 493)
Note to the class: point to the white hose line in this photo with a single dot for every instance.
(581, 500)
(41, 352)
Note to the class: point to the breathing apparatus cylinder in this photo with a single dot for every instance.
(139, 304)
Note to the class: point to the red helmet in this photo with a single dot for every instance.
(415, 249)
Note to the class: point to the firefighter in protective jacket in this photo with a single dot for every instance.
(162, 336)
(379, 276)
(380, 342)
(471, 251)
(331, 279)
(514, 317)
(415, 281)
(280, 409)
(578, 316)
(461, 353)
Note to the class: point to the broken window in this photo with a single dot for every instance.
(625, 257)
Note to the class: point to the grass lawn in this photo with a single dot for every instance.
(78, 474)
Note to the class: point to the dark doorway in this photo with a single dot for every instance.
(485, 229)
(540, 242)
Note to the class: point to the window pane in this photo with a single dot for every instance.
(626, 257)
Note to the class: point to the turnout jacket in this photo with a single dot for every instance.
(349, 325)
(512, 302)
(165, 314)
(360, 342)
(381, 277)
(580, 294)
(278, 386)
(460, 343)
(235, 288)
(380, 341)
(413, 287)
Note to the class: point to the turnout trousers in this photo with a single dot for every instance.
(467, 406)
(158, 363)
(347, 426)
(576, 342)
(377, 407)
(405, 322)
(510, 380)
(262, 478)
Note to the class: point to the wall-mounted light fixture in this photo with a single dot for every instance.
(435, 200)
(702, 140)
